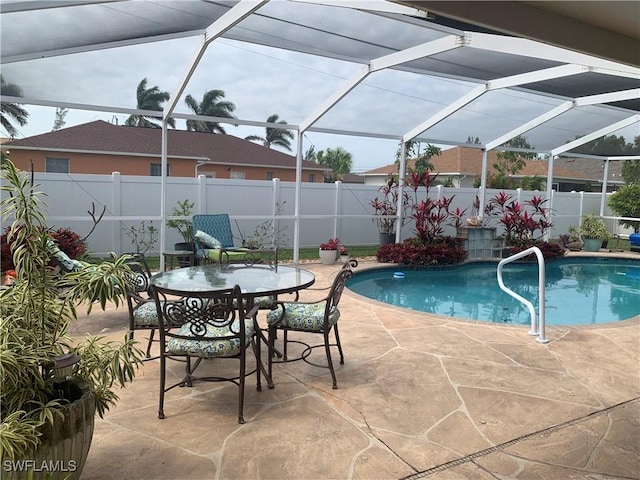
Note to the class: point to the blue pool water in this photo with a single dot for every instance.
(578, 291)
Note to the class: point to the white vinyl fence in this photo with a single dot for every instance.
(326, 210)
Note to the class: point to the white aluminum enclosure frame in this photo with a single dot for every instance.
(564, 64)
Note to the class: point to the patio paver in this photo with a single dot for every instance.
(420, 396)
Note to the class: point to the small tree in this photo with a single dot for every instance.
(183, 209)
(626, 203)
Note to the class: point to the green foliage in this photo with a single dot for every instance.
(212, 105)
(144, 237)
(36, 313)
(149, 99)
(413, 150)
(592, 227)
(337, 159)
(631, 170)
(273, 135)
(183, 208)
(510, 163)
(625, 202)
(11, 111)
(609, 145)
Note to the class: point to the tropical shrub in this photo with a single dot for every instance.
(549, 250)
(67, 240)
(626, 203)
(524, 223)
(443, 251)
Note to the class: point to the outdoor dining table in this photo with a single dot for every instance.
(254, 281)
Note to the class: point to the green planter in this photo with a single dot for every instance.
(592, 244)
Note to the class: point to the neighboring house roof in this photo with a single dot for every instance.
(352, 178)
(593, 168)
(103, 137)
(461, 161)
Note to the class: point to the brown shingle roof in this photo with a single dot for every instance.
(468, 161)
(101, 136)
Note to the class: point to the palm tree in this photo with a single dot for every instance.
(11, 110)
(209, 107)
(149, 99)
(338, 159)
(274, 136)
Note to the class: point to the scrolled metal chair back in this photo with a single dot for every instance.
(200, 313)
(337, 288)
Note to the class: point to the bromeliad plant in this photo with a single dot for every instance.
(37, 311)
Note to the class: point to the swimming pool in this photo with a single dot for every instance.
(579, 291)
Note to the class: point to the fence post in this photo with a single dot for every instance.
(275, 224)
(201, 206)
(116, 211)
(336, 209)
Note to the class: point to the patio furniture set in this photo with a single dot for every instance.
(210, 311)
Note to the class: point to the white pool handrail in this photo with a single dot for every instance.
(540, 332)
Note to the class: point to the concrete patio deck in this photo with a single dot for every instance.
(420, 396)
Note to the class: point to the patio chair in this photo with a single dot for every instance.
(319, 317)
(142, 307)
(205, 325)
(214, 239)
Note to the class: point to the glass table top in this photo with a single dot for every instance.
(256, 279)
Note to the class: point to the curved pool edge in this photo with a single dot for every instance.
(375, 265)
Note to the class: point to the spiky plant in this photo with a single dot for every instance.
(35, 314)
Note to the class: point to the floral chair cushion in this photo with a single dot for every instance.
(303, 316)
(146, 315)
(263, 303)
(209, 348)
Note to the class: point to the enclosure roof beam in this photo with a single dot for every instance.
(530, 48)
(545, 117)
(597, 134)
(235, 15)
(397, 58)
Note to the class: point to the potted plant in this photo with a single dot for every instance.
(593, 232)
(52, 385)
(344, 254)
(385, 207)
(329, 251)
(183, 208)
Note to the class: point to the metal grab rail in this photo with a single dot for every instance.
(541, 283)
